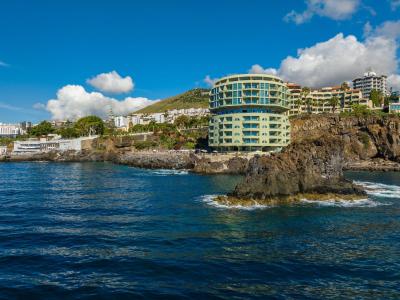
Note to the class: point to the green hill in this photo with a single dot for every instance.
(196, 98)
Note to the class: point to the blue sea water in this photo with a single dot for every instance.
(104, 231)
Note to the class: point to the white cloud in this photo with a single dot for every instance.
(74, 102)
(388, 29)
(394, 82)
(112, 82)
(341, 59)
(333, 9)
(210, 81)
(3, 64)
(395, 4)
(257, 69)
(39, 106)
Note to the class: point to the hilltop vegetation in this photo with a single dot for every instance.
(196, 98)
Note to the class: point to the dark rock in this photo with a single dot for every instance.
(305, 167)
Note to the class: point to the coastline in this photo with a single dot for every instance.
(204, 163)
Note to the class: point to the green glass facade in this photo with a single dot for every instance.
(249, 113)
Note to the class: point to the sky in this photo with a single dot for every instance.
(68, 58)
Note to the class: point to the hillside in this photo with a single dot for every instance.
(196, 98)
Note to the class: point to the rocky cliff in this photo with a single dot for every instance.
(363, 138)
(321, 147)
(304, 167)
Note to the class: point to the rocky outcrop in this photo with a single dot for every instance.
(304, 167)
(156, 160)
(220, 164)
(364, 138)
(140, 159)
(321, 147)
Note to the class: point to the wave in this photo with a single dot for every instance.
(380, 189)
(168, 172)
(209, 200)
(344, 203)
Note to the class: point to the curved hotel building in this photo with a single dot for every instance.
(249, 113)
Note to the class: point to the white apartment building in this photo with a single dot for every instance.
(43, 145)
(371, 81)
(319, 100)
(121, 121)
(171, 115)
(10, 130)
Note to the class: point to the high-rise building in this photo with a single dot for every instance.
(249, 113)
(371, 81)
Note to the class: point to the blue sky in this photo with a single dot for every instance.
(168, 47)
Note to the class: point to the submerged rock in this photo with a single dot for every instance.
(239, 202)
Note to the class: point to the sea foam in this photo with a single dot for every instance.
(168, 172)
(380, 189)
(343, 203)
(209, 199)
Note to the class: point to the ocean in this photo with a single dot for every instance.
(104, 231)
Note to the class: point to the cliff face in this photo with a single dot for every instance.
(362, 138)
(321, 147)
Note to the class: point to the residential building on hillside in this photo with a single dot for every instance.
(165, 117)
(11, 130)
(318, 101)
(58, 123)
(25, 126)
(122, 121)
(371, 81)
(249, 113)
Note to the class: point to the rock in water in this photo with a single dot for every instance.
(306, 167)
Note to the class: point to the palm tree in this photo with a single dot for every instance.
(344, 86)
(305, 91)
(376, 97)
(298, 103)
(334, 102)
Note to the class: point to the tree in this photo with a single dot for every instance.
(182, 121)
(298, 104)
(89, 125)
(68, 132)
(305, 91)
(360, 110)
(376, 97)
(344, 86)
(334, 102)
(43, 128)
